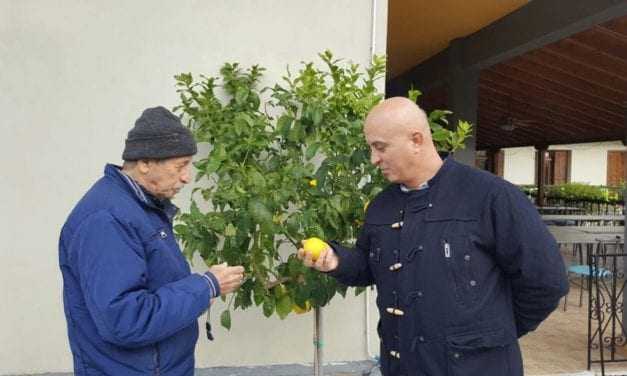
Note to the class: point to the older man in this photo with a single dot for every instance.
(131, 302)
(462, 261)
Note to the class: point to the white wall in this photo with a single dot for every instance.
(75, 76)
(519, 165)
(588, 162)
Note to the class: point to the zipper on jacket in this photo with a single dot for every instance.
(157, 360)
(447, 249)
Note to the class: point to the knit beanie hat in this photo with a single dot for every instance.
(158, 134)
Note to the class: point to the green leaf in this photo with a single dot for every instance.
(413, 94)
(284, 306)
(316, 116)
(241, 94)
(230, 230)
(259, 211)
(225, 319)
(312, 150)
(268, 306)
(258, 293)
(257, 179)
(284, 124)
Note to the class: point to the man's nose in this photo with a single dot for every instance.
(374, 159)
(185, 177)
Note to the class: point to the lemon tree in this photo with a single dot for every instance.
(283, 163)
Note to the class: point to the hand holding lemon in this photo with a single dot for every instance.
(318, 255)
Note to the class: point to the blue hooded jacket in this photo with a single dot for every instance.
(131, 302)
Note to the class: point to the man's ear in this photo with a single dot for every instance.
(417, 138)
(143, 166)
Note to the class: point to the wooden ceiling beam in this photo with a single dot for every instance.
(526, 87)
(590, 56)
(513, 144)
(553, 73)
(534, 132)
(554, 125)
(590, 73)
(543, 101)
(617, 25)
(605, 40)
(552, 112)
(600, 108)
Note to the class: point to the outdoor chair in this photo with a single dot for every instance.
(582, 271)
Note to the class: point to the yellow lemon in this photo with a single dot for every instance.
(313, 183)
(314, 246)
(300, 310)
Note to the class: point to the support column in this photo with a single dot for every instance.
(540, 176)
(493, 161)
(463, 99)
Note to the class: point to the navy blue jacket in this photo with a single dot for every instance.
(130, 300)
(462, 269)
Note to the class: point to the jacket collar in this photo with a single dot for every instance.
(447, 166)
(139, 192)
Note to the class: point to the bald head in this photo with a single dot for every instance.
(399, 114)
(399, 136)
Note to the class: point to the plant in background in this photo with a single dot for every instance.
(585, 192)
(295, 167)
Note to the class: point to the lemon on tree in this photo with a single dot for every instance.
(300, 310)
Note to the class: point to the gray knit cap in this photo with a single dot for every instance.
(158, 134)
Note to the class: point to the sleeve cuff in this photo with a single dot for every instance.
(214, 285)
(338, 271)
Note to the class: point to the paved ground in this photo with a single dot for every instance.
(364, 368)
(558, 346)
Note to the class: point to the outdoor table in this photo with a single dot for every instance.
(559, 210)
(581, 219)
(585, 235)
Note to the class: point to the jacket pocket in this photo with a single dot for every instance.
(481, 352)
(165, 261)
(458, 257)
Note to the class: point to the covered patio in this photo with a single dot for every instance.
(539, 74)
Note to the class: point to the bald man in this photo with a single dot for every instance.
(462, 262)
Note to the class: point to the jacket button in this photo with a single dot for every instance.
(163, 234)
(467, 257)
(430, 205)
(419, 294)
(421, 339)
(420, 247)
(456, 355)
(394, 311)
(473, 283)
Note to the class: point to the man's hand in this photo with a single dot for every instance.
(229, 277)
(327, 260)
